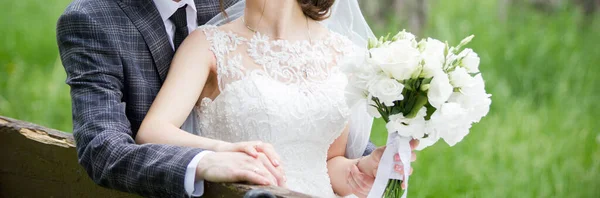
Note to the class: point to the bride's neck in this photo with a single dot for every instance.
(280, 18)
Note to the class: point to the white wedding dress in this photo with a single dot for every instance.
(287, 93)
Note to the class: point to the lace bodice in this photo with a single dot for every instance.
(287, 93)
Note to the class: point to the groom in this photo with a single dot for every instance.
(117, 54)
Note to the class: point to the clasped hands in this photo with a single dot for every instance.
(256, 162)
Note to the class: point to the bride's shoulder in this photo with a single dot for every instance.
(207, 28)
(339, 38)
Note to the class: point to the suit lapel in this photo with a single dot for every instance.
(147, 20)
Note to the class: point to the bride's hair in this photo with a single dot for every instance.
(317, 10)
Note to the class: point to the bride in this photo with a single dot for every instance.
(271, 74)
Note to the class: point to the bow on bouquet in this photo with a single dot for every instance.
(425, 90)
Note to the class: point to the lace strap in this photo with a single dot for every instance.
(222, 43)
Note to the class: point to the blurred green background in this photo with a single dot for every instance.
(539, 58)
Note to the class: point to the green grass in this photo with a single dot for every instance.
(32, 79)
(541, 138)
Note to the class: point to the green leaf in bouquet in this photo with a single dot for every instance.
(456, 89)
(373, 43)
(397, 36)
(420, 100)
(465, 42)
(426, 81)
(396, 109)
(430, 111)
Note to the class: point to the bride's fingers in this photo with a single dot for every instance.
(268, 150)
(399, 169)
(364, 184)
(353, 185)
(414, 143)
(276, 172)
(413, 156)
(250, 150)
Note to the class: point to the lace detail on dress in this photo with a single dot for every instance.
(287, 93)
(290, 62)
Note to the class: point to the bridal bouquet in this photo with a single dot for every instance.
(425, 90)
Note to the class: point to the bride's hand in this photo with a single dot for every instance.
(251, 148)
(261, 151)
(369, 164)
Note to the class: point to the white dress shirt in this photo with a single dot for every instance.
(166, 8)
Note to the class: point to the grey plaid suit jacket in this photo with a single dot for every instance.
(116, 54)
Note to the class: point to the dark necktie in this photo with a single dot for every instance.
(179, 20)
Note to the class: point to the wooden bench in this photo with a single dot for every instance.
(41, 162)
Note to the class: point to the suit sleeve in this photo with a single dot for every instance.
(105, 146)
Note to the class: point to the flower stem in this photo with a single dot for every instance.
(393, 189)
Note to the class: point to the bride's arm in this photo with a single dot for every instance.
(339, 166)
(187, 76)
(183, 86)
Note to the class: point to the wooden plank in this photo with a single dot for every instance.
(41, 162)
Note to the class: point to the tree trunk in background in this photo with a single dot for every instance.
(411, 13)
(503, 7)
(589, 6)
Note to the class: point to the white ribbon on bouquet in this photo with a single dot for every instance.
(385, 171)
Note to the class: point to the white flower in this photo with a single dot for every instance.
(470, 61)
(354, 94)
(408, 127)
(432, 138)
(460, 77)
(450, 123)
(399, 60)
(405, 36)
(354, 62)
(387, 91)
(440, 90)
(433, 57)
(474, 99)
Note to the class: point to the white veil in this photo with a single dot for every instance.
(346, 19)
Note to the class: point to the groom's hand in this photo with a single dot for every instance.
(239, 167)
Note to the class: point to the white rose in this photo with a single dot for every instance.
(387, 91)
(440, 90)
(433, 57)
(367, 75)
(355, 62)
(460, 77)
(399, 60)
(470, 61)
